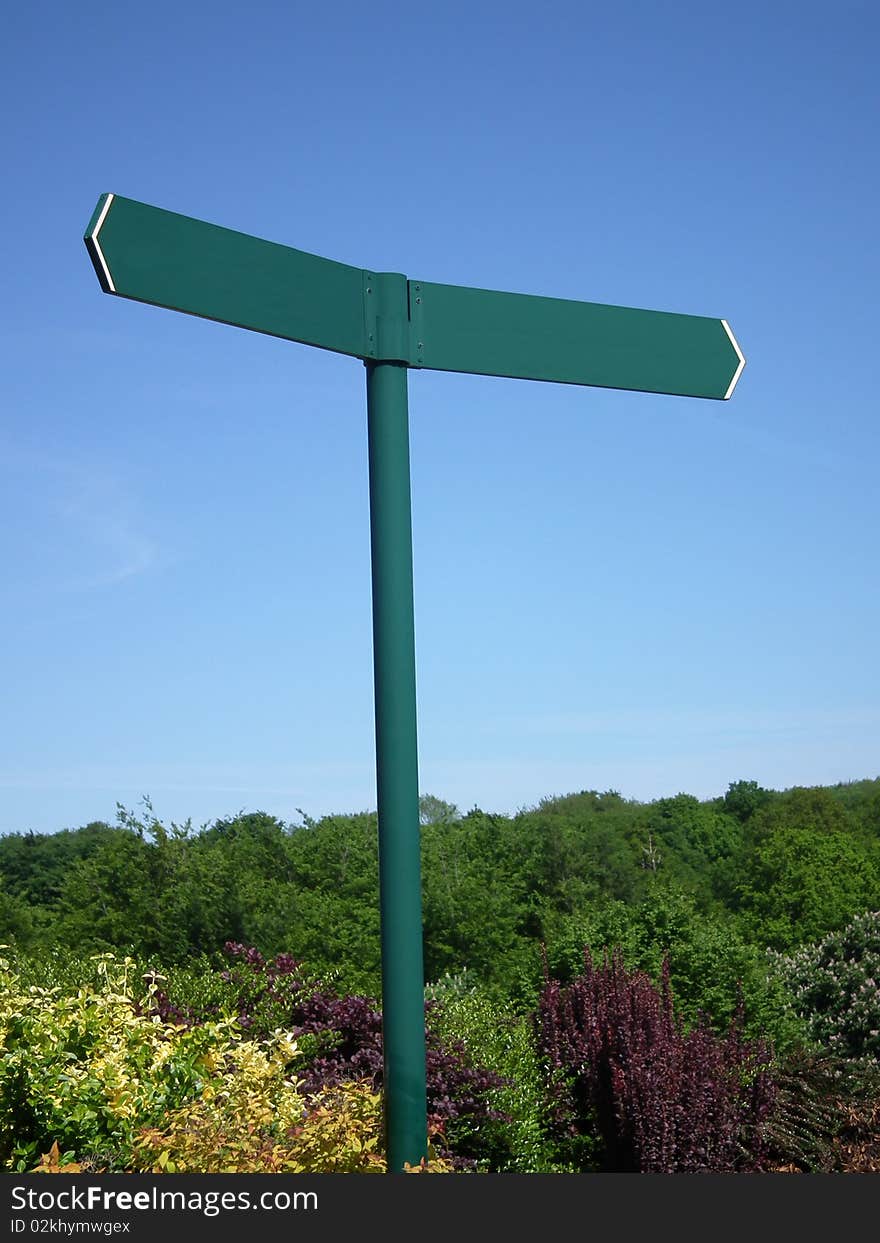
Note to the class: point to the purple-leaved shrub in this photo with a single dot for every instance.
(657, 1098)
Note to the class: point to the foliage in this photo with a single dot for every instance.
(57, 1162)
(17, 919)
(707, 885)
(86, 1069)
(516, 1139)
(790, 866)
(340, 1040)
(659, 1100)
(434, 810)
(329, 913)
(243, 1125)
(34, 865)
(801, 807)
(478, 898)
(744, 798)
(693, 839)
(862, 802)
(109, 1063)
(803, 881)
(834, 985)
(826, 1114)
(94, 1079)
(452, 987)
(59, 968)
(714, 973)
(583, 846)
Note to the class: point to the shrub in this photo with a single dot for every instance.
(517, 1140)
(237, 1127)
(59, 968)
(834, 985)
(87, 1069)
(340, 1039)
(659, 1100)
(91, 1079)
(826, 1116)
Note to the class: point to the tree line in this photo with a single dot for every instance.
(711, 884)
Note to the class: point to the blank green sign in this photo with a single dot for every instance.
(174, 261)
(530, 338)
(170, 260)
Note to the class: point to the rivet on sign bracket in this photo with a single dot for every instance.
(416, 322)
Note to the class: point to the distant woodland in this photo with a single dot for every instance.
(754, 869)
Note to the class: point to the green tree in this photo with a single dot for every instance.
(34, 865)
(107, 900)
(433, 810)
(694, 841)
(799, 883)
(17, 921)
(744, 798)
(330, 903)
(801, 807)
(478, 903)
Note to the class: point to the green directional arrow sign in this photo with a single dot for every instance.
(529, 338)
(393, 324)
(173, 261)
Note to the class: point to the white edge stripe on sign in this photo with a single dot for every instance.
(100, 253)
(739, 354)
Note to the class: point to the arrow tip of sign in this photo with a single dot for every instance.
(740, 356)
(93, 245)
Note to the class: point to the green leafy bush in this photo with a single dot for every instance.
(242, 1125)
(496, 1038)
(340, 1040)
(834, 985)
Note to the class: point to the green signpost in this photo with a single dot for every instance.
(392, 324)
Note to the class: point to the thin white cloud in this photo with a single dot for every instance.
(106, 535)
(85, 523)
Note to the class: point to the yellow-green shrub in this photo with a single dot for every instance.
(88, 1071)
(245, 1125)
(239, 1129)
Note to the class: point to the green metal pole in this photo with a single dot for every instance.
(403, 981)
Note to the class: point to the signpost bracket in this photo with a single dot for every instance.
(387, 331)
(416, 292)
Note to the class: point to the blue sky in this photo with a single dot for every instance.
(612, 590)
